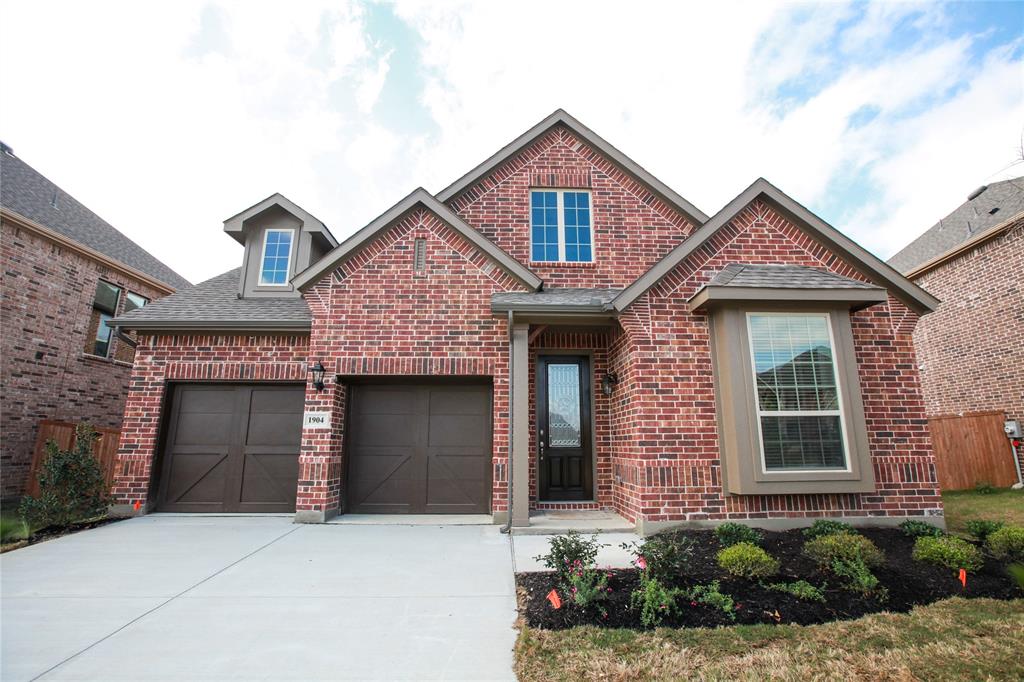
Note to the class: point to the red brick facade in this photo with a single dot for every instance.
(45, 308)
(655, 437)
(970, 348)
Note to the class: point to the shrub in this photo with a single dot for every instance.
(984, 488)
(827, 527)
(801, 589)
(71, 485)
(949, 551)
(734, 533)
(917, 529)
(654, 600)
(859, 577)
(568, 551)
(828, 549)
(982, 528)
(747, 561)
(663, 556)
(1007, 543)
(588, 588)
(12, 529)
(710, 595)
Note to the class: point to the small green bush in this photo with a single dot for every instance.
(711, 595)
(569, 552)
(801, 589)
(917, 529)
(747, 560)
(663, 556)
(72, 487)
(949, 551)
(13, 529)
(982, 528)
(654, 601)
(1007, 543)
(859, 577)
(827, 527)
(828, 549)
(984, 488)
(730, 533)
(588, 588)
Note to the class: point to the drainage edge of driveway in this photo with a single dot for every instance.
(164, 603)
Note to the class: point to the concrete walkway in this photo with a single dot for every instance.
(218, 598)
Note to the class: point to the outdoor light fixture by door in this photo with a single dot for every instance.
(318, 371)
(610, 381)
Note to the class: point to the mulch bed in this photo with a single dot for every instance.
(909, 583)
(52, 532)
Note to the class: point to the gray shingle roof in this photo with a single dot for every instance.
(999, 202)
(783, 277)
(215, 303)
(27, 192)
(555, 299)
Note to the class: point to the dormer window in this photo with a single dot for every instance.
(560, 226)
(277, 257)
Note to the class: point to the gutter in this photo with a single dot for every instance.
(302, 326)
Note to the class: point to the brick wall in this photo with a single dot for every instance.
(971, 349)
(665, 439)
(46, 296)
(160, 359)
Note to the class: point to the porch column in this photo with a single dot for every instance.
(520, 421)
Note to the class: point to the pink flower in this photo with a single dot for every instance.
(641, 563)
(693, 603)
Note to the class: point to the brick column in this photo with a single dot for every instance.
(318, 498)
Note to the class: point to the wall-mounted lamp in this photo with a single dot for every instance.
(610, 381)
(318, 372)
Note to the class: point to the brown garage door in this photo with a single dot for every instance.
(232, 449)
(419, 449)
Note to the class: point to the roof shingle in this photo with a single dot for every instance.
(783, 277)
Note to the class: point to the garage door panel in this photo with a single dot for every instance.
(232, 448)
(439, 455)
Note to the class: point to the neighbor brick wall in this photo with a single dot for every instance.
(160, 359)
(631, 228)
(971, 349)
(46, 296)
(666, 459)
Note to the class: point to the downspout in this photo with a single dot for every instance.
(124, 338)
(507, 528)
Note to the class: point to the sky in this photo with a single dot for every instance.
(167, 118)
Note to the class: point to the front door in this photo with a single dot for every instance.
(565, 470)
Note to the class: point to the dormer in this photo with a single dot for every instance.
(281, 239)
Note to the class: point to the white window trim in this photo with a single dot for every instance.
(799, 413)
(263, 257)
(560, 208)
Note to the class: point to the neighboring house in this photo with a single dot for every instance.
(557, 329)
(65, 273)
(971, 350)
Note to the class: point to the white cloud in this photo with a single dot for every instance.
(166, 119)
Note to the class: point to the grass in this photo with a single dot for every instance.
(12, 528)
(1003, 504)
(955, 639)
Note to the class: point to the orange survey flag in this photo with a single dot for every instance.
(963, 577)
(555, 600)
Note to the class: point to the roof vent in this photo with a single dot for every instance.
(6, 149)
(993, 210)
(53, 201)
(976, 193)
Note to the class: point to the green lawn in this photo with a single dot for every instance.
(956, 639)
(1002, 504)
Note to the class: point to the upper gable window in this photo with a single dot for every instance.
(277, 257)
(560, 226)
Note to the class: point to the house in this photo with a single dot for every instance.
(65, 272)
(971, 349)
(556, 330)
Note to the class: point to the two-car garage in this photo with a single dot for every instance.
(410, 448)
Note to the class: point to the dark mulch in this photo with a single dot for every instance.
(52, 532)
(909, 583)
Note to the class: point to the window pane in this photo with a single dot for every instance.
(564, 406)
(106, 297)
(134, 301)
(577, 225)
(797, 443)
(544, 226)
(277, 253)
(101, 344)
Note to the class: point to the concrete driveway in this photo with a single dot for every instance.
(191, 598)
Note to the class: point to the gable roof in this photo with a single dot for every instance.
(987, 207)
(214, 304)
(28, 193)
(422, 197)
(234, 225)
(747, 282)
(911, 294)
(558, 300)
(561, 117)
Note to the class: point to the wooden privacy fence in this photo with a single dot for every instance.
(63, 434)
(972, 448)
